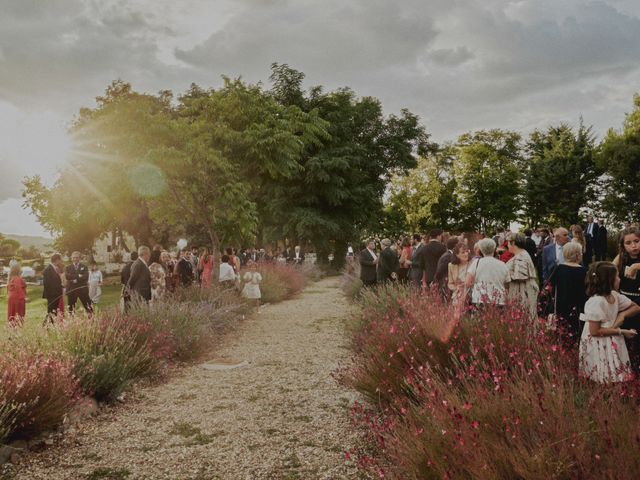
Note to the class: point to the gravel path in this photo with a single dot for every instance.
(281, 416)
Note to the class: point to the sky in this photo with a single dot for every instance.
(460, 65)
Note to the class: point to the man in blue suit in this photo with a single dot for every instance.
(552, 255)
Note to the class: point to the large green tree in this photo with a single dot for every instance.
(559, 174)
(488, 172)
(338, 190)
(619, 158)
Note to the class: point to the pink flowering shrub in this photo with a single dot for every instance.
(280, 282)
(482, 396)
(36, 390)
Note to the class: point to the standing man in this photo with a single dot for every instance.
(297, 257)
(601, 242)
(432, 253)
(530, 245)
(416, 271)
(591, 231)
(442, 269)
(139, 284)
(52, 284)
(552, 255)
(388, 263)
(368, 264)
(184, 269)
(77, 275)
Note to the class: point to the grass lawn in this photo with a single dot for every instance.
(37, 306)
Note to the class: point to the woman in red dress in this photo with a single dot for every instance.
(16, 297)
(206, 266)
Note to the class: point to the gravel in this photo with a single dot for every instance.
(281, 416)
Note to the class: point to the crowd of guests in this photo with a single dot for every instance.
(147, 276)
(560, 278)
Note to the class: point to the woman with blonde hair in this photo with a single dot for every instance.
(577, 235)
(16, 296)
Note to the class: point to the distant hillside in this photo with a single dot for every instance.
(41, 243)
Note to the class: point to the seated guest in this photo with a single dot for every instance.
(227, 277)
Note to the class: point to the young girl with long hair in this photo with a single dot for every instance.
(604, 357)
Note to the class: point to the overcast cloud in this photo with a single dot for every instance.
(459, 64)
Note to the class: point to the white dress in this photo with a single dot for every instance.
(604, 359)
(95, 291)
(252, 285)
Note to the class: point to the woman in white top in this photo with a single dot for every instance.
(252, 279)
(95, 284)
(487, 276)
(603, 353)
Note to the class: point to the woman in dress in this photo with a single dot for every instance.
(628, 264)
(234, 261)
(206, 267)
(523, 278)
(457, 273)
(16, 296)
(95, 284)
(603, 354)
(569, 295)
(158, 276)
(252, 279)
(487, 277)
(577, 236)
(405, 260)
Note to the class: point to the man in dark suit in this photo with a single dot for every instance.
(297, 256)
(530, 246)
(416, 270)
(442, 269)
(125, 274)
(388, 263)
(601, 243)
(552, 254)
(184, 269)
(77, 275)
(591, 231)
(432, 253)
(139, 284)
(52, 286)
(368, 264)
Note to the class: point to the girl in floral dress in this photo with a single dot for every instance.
(603, 354)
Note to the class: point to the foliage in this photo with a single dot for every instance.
(9, 247)
(488, 173)
(280, 282)
(36, 391)
(560, 165)
(483, 397)
(620, 159)
(338, 189)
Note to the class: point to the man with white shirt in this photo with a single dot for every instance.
(591, 230)
(297, 257)
(369, 264)
(227, 277)
(552, 255)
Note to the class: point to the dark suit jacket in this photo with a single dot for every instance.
(432, 253)
(292, 257)
(549, 262)
(417, 263)
(531, 248)
(601, 241)
(140, 280)
(76, 278)
(125, 273)
(442, 270)
(367, 267)
(184, 269)
(387, 264)
(52, 284)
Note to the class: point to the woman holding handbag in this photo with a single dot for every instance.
(567, 283)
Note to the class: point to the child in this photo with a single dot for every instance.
(16, 296)
(603, 354)
(252, 281)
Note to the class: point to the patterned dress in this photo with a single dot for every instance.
(523, 283)
(158, 282)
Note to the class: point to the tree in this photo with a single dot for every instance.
(425, 196)
(9, 247)
(338, 190)
(560, 166)
(488, 172)
(619, 158)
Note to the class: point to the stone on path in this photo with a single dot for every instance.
(264, 406)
